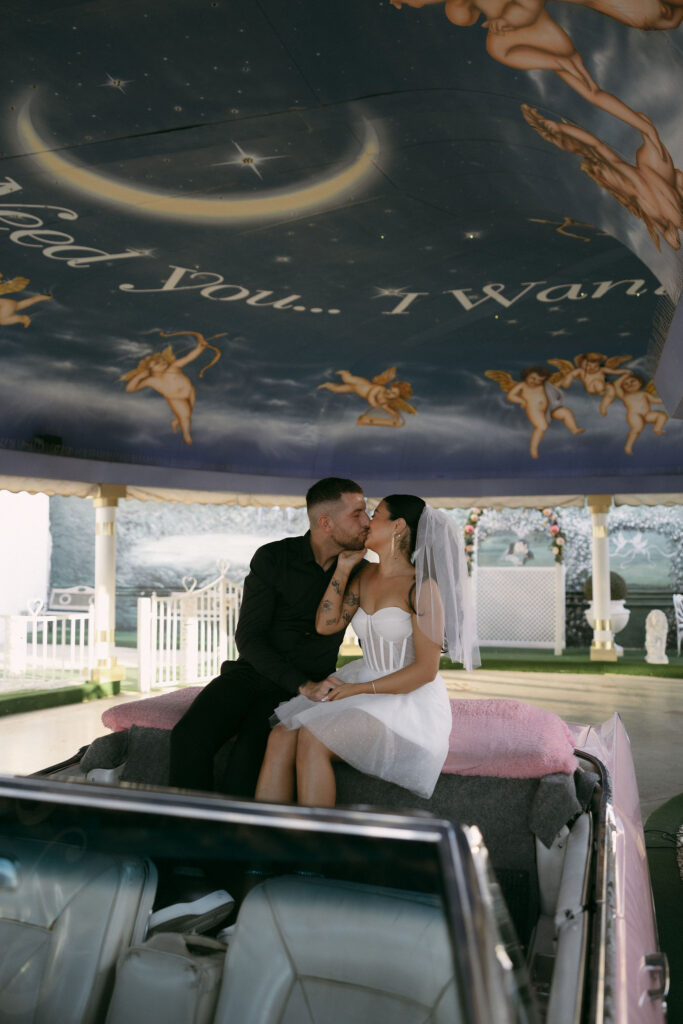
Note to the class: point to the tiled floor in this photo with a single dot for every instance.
(652, 710)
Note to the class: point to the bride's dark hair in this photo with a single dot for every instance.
(408, 507)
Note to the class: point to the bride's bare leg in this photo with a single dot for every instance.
(316, 785)
(276, 778)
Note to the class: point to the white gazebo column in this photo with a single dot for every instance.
(602, 648)
(106, 670)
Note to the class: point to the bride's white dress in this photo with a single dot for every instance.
(401, 737)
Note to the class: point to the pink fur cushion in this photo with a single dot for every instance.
(160, 712)
(509, 739)
(504, 738)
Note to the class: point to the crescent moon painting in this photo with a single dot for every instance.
(230, 209)
(243, 246)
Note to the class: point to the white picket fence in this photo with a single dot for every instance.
(44, 649)
(184, 637)
(520, 606)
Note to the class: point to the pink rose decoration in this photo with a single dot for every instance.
(546, 511)
(554, 529)
(470, 547)
(560, 540)
(469, 529)
(556, 551)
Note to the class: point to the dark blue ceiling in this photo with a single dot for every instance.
(328, 188)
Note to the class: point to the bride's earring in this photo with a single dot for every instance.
(393, 545)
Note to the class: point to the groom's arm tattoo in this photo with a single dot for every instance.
(327, 607)
(336, 585)
(352, 600)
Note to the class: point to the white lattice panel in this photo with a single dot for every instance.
(520, 606)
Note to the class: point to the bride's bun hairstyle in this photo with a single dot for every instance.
(410, 508)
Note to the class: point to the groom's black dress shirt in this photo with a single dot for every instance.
(276, 629)
(279, 650)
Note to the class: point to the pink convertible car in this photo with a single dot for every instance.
(502, 899)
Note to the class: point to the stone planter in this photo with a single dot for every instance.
(619, 615)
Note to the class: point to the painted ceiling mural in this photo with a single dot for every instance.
(421, 242)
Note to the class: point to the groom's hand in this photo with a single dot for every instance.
(316, 691)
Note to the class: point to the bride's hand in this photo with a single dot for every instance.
(340, 691)
(347, 559)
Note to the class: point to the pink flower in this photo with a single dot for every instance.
(556, 551)
(554, 529)
(469, 547)
(474, 517)
(469, 529)
(559, 540)
(546, 511)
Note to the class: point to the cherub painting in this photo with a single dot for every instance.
(10, 309)
(639, 397)
(521, 34)
(651, 189)
(591, 368)
(162, 371)
(540, 398)
(383, 394)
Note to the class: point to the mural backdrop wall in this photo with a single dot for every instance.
(160, 543)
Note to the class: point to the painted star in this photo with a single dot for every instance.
(247, 160)
(116, 83)
(381, 292)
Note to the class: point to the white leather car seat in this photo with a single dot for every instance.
(66, 913)
(313, 951)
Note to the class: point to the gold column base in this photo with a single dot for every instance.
(603, 653)
(110, 674)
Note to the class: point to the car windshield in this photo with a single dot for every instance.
(352, 914)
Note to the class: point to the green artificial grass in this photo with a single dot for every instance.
(36, 700)
(575, 659)
(126, 638)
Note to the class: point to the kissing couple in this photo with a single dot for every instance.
(386, 714)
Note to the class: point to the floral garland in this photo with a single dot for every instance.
(558, 536)
(552, 523)
(470, 529)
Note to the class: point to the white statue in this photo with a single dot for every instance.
(656, 628)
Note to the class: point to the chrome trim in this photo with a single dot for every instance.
(658, 962)
(602, 951)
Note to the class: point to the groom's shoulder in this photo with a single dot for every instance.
(285, 547)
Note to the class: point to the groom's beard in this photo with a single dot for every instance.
(350, 542)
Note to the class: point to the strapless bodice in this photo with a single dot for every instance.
(386, 637)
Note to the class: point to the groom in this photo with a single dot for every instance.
(280, 653)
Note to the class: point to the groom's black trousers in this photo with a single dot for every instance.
(238, 703)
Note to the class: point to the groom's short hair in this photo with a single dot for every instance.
(330, 488)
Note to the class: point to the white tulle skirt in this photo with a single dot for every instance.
(400, 737)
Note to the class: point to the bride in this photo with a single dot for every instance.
(387, 714)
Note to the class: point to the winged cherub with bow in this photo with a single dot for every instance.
(162, 371)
